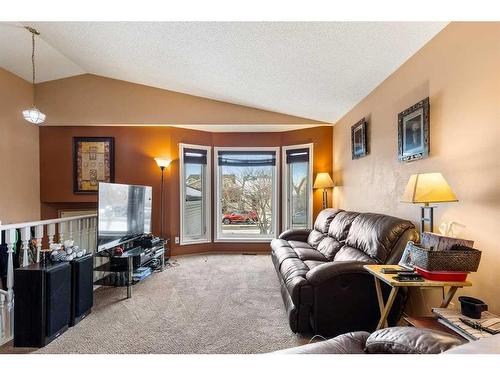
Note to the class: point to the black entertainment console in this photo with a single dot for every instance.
(128, 257)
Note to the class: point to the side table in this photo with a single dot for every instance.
(375, 270)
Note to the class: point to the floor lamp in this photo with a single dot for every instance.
(162, 163)
(425, 188)
(323, 181)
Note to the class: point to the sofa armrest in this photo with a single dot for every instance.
(295, 235)
(410, 340)
(325, 272)
(349, 343)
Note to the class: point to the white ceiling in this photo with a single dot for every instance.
(312, 70)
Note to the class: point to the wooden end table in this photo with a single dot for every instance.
(375, 270)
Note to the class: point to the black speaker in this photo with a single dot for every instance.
(82, 288)
(42, 303)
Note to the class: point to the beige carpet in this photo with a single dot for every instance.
(207, 304)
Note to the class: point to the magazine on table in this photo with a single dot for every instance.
(471, 329)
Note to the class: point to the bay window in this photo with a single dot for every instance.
(246, 193)
(195, 194)
(297, 186)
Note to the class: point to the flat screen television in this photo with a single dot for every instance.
(124, 213)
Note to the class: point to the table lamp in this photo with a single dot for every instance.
(428, 188)
(323, 181)
(162, 163)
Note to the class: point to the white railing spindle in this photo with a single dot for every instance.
(61, 226)
(79, 226)
(51, 232)
(25, 238)
(87, 223)
(94, 234)
(39, 239)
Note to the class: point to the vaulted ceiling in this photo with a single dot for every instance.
(312, 70)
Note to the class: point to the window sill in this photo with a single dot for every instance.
(244, 240)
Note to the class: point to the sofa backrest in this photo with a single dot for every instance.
(321, 225)
(337, 233)
(341, 224)
(376, 238)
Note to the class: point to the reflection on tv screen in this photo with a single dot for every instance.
(124, 211)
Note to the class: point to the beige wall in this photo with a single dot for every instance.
(460, 71)
(19, 166)
(93, 100)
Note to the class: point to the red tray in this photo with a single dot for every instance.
(442, 275)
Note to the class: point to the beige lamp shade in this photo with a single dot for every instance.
(323, 181)
(428, 188)
(162, 162)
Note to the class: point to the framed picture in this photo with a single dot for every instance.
(93, 162)
(358, 139)
(413, 132)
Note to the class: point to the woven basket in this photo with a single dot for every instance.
(459, 258)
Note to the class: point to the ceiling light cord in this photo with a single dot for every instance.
(33, 77)
(33, 63)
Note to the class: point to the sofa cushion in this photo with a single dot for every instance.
(277, 243)
(350, 254)
(293, 267)
(294, 244)
(324, 218)
(315, 238)
(283, 253)
(329, 247)
(376, 234)
(410, 340)
(313, 263)
(309, 254)
(340, 225)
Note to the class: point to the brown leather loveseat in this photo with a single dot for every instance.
(399, 340)
(323, 284)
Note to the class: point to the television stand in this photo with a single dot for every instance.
(120, 268)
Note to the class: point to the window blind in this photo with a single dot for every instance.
(299, 155)
(195, 156)
(247, 158)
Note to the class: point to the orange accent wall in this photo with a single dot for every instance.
(459, 70)
(135, 148)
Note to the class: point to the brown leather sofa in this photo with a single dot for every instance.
(323, 283)
(398, 340)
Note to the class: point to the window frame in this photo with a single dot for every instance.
(275, 205)
(208, 195)
(285, 186)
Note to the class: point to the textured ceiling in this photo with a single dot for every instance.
(312, 70)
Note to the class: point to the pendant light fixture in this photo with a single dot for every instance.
(33, 115)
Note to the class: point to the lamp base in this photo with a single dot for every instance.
(426, 219)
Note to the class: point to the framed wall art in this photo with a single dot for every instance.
(93, 162)
(358, 139)
(413, 132)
